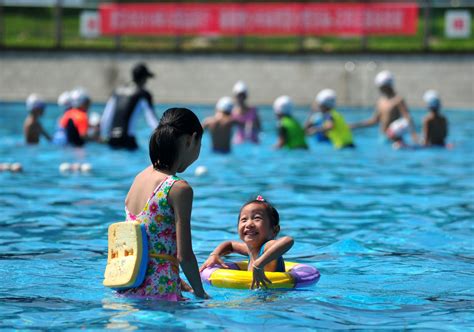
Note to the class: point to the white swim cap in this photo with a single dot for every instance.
(79, 96)
(326, 97)
(283, 105)
(34, 101)
(239, 87)
(64, 99)
(431, 98)
(225, 105)
(384, 78)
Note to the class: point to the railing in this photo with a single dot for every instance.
(54, 25)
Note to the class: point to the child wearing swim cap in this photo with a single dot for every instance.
(163, 202)
(220, 125)
(258, 225)
(333, 124)
(32, 127)
(290, 133)
(435, 125)
(248, 121)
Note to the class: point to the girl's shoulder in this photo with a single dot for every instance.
(178, 187)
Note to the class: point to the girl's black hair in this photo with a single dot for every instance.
(174, 123)
(271, 211)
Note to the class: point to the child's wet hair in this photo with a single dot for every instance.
(174, 123)
(271, 211)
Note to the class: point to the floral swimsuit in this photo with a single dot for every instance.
(162, 277)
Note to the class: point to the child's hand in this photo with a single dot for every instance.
(260, 280)
(213, 259)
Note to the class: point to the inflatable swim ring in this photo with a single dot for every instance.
(296, 276)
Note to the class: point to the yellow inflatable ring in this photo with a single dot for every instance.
(296, 276)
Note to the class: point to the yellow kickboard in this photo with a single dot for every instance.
(126, 263)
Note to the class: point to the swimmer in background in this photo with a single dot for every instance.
(121, 112)
(290, 133)
(248, 121)
(75, 121)
(258, 225)
(93, 132)
(435, 125)
(389, 108)
(333, 126)
(220, 126)
(316, 119)
(32, 127)
(64, 104)
(163, 202)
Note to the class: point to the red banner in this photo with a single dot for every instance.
(259, 19)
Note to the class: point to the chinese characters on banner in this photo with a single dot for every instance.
(259, 19)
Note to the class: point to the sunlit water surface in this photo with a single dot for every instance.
(390, 231)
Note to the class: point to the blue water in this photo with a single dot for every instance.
(390, 231)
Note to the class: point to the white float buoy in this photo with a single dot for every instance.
(86, 168)
(4, 167)
(16, 168)
(65, 167)
(200, 171)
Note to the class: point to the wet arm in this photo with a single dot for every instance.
(150, 115)
(281, 138)
(273, 250)
(223, 249)
(106, 119)
(328, 125)
(229, 247)
(45, 134)
(181, 198)
(367, 123)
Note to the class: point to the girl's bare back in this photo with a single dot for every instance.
(142, 188)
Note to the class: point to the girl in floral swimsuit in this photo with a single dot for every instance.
(163, 202)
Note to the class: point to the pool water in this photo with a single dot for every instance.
(390, 231)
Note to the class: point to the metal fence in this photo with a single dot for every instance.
(55, 25)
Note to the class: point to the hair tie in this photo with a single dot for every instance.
(260, 198)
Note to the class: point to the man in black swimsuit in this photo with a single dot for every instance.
(123, 108)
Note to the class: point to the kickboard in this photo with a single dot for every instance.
(127, 258)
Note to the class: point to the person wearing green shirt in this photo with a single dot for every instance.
(290, 133)
(333, 125)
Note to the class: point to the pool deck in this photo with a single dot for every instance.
(202, 79)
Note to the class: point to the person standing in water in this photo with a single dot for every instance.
(163, 202)
(435, 125)
(32, 127)
(333, 125)
(220, 126)
(75, 121)
(248, 121)
(290, 133)
(117, 125)
(389, 108)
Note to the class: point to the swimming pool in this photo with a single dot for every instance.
(390, 231)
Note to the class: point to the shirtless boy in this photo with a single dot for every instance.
(435, 125)
(32, 127)
(389, 108)
(220, 125)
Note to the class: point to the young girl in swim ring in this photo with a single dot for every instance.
(258, 226)
(163, 202)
